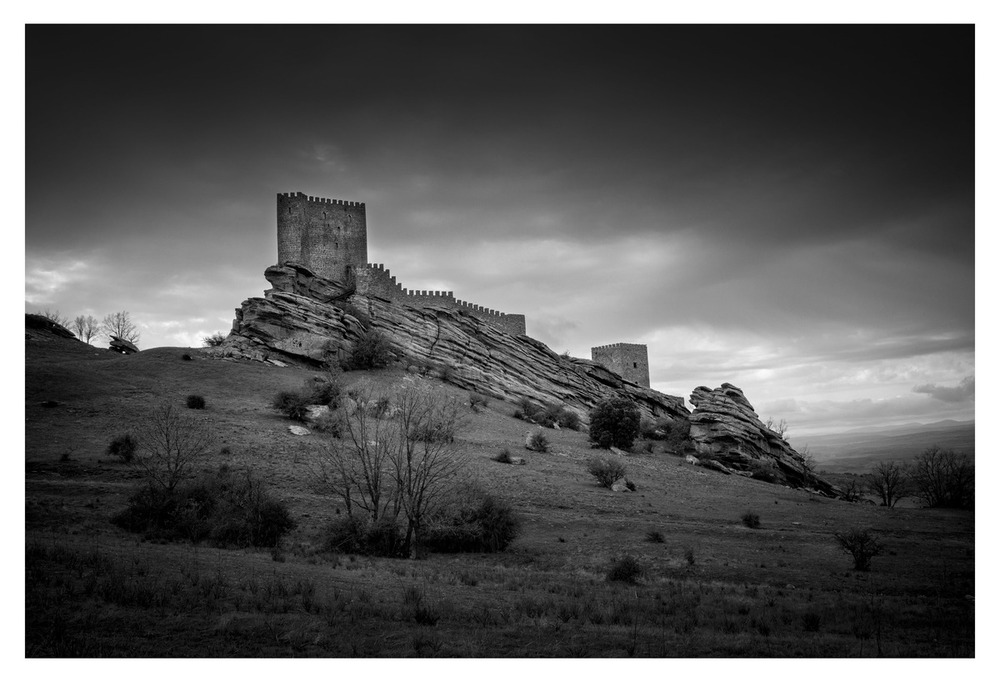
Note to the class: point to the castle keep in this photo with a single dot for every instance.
(629, 360)
(330, 237)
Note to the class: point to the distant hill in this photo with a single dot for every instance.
(858, 450)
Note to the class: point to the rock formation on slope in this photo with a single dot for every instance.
(725, 428)
(315, 319)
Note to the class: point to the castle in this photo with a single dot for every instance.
(330, 237)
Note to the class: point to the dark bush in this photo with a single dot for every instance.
(528, 411)
(123, 447)
(196, 402)
(614, 422)
(626, 569)
(537, 441)
(216, 339)
(475, 521)
(606, 470)
(186, 356)
(862, 545)
(224, 508)
(655, 536)
(504, 457)
(293, 404)
(478, 402)
(358, 535)
(811, 622)
(760, 472)
(751, 520)
(315, 391)
(643, 446)
(371, 351)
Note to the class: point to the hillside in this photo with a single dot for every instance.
(857, 451)
(711, 586)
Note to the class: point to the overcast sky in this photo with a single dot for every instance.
(791, 210)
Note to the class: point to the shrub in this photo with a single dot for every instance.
(478, 402)
(944, 478)
(527, 411)
(474, 521)
(371, 351)
(626, 569)
(860, 544)
(810, 622)
(655, 536)
(630, 485)
(537, 441)
(359, 535)
(315, 391)
(293, 404)
(223, 508)
(123, 447)
(643, 446)
(751, 520)
(186, 356)
(614, 423)
(216, 339)
(606, 470)
(760, 472)
(196, 402)
(504, 457)
(330, 423)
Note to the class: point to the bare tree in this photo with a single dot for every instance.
(398, 456)
(889, 481)
(781, 428)
(170, 444)
(86, 328)
(357, 468)
(54, 316)
(944, 478)
(425, 467)
(120, 324)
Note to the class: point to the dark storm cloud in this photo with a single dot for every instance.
(966, 390)
(766, 196)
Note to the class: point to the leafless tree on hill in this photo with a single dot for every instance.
(54, 316)
(397, 457)
(120, 324)
(85, 328)
(170, 444)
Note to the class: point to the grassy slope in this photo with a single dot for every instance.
(781, 590)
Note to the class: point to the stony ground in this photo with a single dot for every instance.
(712, 586)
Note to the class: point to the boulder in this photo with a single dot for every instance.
(725, 429)
(620, 486)
(120, 345)
(314, 412)
(691, 459)
(298, 430)
(712, 464)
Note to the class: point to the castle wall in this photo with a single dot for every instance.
(328, 236)
(376, 280)
(629, 360)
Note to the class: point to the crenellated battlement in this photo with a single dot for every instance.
(376, 280)
(320, 200)
(617, 345)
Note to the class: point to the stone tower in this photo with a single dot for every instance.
(328, 236)
(629, 360)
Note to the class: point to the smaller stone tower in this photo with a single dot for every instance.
(629, 360)
(328, 236)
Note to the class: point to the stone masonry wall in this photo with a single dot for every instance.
(328, 236)
(629, 360)
(376, 280)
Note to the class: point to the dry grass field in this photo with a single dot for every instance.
(710, 587)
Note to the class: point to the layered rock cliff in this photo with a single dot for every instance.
(315, 319)
(725, 428)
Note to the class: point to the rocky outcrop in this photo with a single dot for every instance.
(726, 430)
(124, 346)
(313, 319)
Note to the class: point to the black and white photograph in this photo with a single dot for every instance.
(500, 340)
